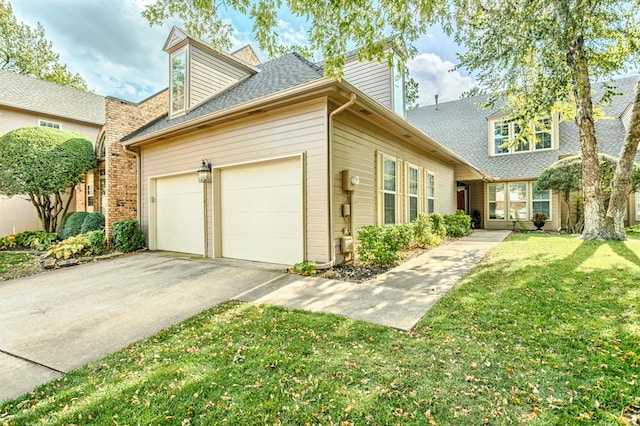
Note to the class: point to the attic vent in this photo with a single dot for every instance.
(365, 111)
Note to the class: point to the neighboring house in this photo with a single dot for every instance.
(298, 162)
(26, 101)
(479, 136)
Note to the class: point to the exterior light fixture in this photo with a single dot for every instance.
(204, 172)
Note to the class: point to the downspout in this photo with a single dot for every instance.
(332, 247)
(138, 179)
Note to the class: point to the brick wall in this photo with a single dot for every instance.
(122, 118)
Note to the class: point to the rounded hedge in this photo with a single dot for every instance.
(93, 222)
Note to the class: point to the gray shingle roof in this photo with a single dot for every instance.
(28, 93)
(276, 75)
(463, 127)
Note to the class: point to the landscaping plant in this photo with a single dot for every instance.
(127, 236)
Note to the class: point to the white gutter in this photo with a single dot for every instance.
(332, 247)
(138, 179)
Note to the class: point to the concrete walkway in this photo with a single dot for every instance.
(397, 298)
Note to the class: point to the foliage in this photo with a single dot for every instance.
(457, 225)
(422, 234)
(35, 240)
(16, 265)
(25, 50)
(88, 244)
(333, 28)
(565, 177)
(411, 91)
(45, 164)
(437, 224)
(539, 217)
(72, 225)
(92, 222)
(378, 244)
(519, 226)
(127, 236)
(540, 57)
(402, 233)
(473, 92)
(540, 333)
(635, 229)
(8, 242)
(305, 268)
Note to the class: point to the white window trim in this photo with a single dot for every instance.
(638, 206)
(381, 191)
(507, 202)
(184, 110)
(555, 127)
(426, 191)
(408, 196)
(46, 123)
(532, 212)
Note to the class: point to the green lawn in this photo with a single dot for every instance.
(14, 265)
(546, 331)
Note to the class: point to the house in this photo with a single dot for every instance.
(27, 101)
(507, 194)
(292, 163)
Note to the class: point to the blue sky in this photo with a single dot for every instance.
(113, 48)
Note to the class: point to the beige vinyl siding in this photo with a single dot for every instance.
(356, 146)
(209, 75)
(285, 132)
(372, 78)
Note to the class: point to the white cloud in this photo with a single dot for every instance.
(436, 76)
(290, 35)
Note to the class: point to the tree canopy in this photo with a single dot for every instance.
(25, 50)
(368, 25)
(44, 164)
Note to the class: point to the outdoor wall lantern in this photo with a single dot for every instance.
(204, 172)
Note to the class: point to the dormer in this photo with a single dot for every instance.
(383, 84)
(508, 136)
(197, 72)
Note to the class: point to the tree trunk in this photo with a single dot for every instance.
(622, 180)
(593, 206)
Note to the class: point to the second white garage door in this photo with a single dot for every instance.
(262, 216)
(180, 214)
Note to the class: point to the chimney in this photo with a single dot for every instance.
(436, 102)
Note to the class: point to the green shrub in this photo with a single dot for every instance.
(437, 225)
(380, 244)
(635, 229)
(87, 244)
(457, 225)
(422, 234)
(62, 225)
(305, 268)
(127, 236)
(92, 222)
(7, 242)
(73, 225)
(402, 233)
(36, 240)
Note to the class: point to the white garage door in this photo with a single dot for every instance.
(180, 214)
(261, 208)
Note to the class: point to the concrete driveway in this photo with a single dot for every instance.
(54, 322)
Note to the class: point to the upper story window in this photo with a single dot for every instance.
(44, 123)
(178, 64)
(398, 88)
(509, 137)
